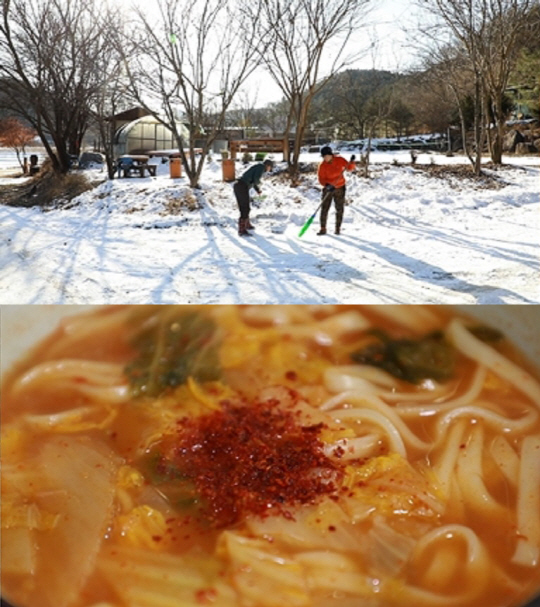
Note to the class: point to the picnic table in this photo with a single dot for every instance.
(137, 164)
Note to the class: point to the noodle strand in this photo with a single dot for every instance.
(483, 354)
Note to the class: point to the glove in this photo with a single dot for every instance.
(353, 158)
(329, 188)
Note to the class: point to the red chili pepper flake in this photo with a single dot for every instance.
(339, 452)
(253, 459)
(206, 596)
(291, 375)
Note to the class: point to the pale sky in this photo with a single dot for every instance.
(388, 19)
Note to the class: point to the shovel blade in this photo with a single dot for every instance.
(305, 227)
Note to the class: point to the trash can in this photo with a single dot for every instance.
(34, 168)
(228, 170)
(175, 167)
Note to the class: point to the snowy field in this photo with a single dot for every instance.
(409, 236)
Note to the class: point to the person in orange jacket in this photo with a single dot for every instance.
(331, 177)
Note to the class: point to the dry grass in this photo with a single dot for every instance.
(175, 205)
(45, 189)
(461, 174)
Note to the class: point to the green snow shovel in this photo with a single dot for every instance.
(305, 227)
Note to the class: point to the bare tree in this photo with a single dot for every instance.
(307, 42)
(449, 70)
(345, 101)
(108, 103)
(186, 65)
(456, 64)
(489, 34)
(378, 109)
(243, 113)
(111, 97)
(429, 96)
(273, 117)
(509, 26)
(50, 59)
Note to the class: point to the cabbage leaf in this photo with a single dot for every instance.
(173, 346)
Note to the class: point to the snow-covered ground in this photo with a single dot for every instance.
(408, 237)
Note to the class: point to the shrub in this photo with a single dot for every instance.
(46, 189)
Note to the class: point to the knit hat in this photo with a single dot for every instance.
(326, 151)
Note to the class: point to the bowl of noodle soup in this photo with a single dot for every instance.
(262, 456)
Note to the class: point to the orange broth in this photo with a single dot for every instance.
(143, 517)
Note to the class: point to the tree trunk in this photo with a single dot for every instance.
(497, 151)
(463, 125)
(478, 126)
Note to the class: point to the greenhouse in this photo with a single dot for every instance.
(146, 134)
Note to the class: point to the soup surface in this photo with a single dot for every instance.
(270, 456)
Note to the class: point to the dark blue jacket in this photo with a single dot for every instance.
(253, 176)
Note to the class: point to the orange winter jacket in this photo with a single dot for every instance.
(331, 173)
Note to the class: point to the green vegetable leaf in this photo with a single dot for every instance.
(412, 360)
(173, 345)
(157, 469)
(487, 334)
(170, 481)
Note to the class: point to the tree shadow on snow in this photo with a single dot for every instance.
(60, 265)
(288, 280)
(263, 268)
(491, 247)
(423, 271)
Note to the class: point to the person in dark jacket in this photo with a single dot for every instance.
(250, 179)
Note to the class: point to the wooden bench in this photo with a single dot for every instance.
(260, 145)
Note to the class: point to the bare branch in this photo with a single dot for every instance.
(187, 71)
(306, 46)
(50, 53)
(490, 35)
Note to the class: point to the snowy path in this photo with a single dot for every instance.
(407, 238)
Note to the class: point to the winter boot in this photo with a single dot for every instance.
(242, 227)
(322, 231)
(249, 225)
(339, 220)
